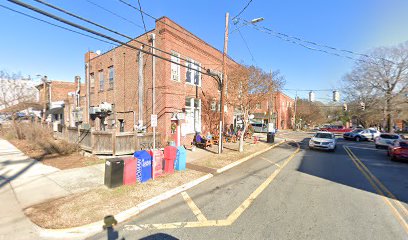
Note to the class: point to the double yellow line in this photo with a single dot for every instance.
(386, 195)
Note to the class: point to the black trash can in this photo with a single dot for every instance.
(114, 172)
(270, 137)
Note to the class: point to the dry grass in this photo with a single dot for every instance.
(39, 144)
(84, 208)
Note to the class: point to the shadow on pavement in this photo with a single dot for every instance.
(339, 168)
(159, 236)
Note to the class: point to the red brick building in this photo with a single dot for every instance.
(59, 98)
(119, 85)
(279, 108)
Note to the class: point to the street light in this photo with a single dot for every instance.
(253, 21)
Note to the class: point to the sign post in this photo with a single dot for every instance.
(153, 123)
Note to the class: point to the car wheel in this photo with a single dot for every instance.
(376, 146)
(392, 158)
(358, 139)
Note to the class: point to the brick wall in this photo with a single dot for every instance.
(170, 94)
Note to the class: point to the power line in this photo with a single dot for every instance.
(141, 14)
(110, 30)
(236, 16)
(115, 14)
(56, 25)
(246, 44)
(308, 47)
(186, 33)
(287, 37)
(17, 2)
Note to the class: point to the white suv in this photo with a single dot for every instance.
(386, 139)
(323, 140)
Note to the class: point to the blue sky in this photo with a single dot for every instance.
(32, 47)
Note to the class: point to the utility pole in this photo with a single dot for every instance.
(294, 117)
(154, 86)
(224, 78)
(44, 79)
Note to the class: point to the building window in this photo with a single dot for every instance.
(213, 106)
(121, 125)
(258, 106)
(92, 82)
(193, 76)
(111, 77)
(193, 115)
(101, 81)
(175, 69)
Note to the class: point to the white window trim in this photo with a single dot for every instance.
(193, 69)
(177, 56)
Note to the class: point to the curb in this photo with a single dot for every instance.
(96, 227)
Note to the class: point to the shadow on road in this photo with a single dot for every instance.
(338, 167)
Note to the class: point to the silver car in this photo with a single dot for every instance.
(386, 139)
(323, 140)
(361, 134)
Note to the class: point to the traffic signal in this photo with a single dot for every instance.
(336, 96)
(344, 107)
(362, 106)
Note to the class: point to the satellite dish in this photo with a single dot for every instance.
(98, 52)
(251, 116)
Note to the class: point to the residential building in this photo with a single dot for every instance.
(278, 109)
(61, 101)
(119, 86)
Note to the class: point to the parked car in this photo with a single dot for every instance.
(398, 151)
(386, 139)
(323, 140)
(336, 129)
(361, 134)
(260, 127)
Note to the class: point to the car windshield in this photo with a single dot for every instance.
(389, 136)
(323, 135)
(357, 130)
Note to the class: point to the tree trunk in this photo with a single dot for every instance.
(389, 127)
(241, 138)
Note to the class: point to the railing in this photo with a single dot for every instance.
(110, 143)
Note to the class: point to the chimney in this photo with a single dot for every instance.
(89, 55)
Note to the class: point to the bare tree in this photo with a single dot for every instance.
(310, 112)
(250, 85)
(381, 82)
(16, 94)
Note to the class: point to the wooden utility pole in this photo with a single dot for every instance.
(224, 78)
(154, 86)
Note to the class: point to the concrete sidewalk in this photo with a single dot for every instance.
(25, 182)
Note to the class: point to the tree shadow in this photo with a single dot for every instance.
(338, 167)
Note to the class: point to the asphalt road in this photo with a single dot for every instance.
(283, 195)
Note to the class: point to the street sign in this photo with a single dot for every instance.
(153, 120)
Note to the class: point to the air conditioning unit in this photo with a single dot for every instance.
(105, 107)
(94, 110)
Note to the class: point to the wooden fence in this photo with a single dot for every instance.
(110, 143)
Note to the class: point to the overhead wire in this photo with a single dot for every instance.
(186, 33)
(110, 30)
(17, 2)
(58, 26)
(287, 37)
(246, 44)
(141, 14)
(236, 16)
(115, 14)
